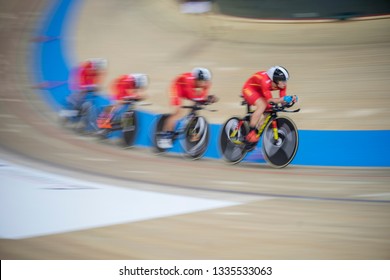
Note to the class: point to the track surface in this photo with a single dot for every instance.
(339, 70)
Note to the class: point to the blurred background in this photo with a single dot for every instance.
(345, 9)
(70, 196)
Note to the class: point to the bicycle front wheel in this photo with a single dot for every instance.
(129, 127)
(196, 137)
(232, 140)
(280, 152)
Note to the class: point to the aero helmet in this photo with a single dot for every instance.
(98, 63)
(140, 80)
(278, 73)
(201, 74)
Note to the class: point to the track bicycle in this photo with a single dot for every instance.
(127, 122)
(192, 131)
(82, 115)
(279, 136)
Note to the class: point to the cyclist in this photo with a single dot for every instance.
(86, 78)
(193, 86)
(125, 88)
(257, 92)
(84, 81)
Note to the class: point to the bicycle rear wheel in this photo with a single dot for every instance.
(129, 125)
(279, 153)
(232, 140)
(196, 137)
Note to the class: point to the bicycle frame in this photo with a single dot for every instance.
(259, 131)
(265, 123)
(191, 131)
(278, 147)
(126, 106)
(271, 117)
(182, 123)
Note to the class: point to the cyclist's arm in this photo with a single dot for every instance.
(191, 94)
(282, 94)
(140, 94)
(282, 99)
(126, 92)
(266, 91)
(275, 100)
(208, 99)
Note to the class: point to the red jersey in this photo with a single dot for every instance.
(88, 75)
(258, 86)
(184, 86)
(124, 87)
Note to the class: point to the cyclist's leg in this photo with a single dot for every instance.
(253, 98)
(86, 114)
(258, 116)
(257, 119)
(176, 97)
(175, 101)
(170, 122)
(168, 130)
(72, 102)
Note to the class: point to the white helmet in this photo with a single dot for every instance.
(201, 74)
(98, 63)
(278, 73)
(141, 80)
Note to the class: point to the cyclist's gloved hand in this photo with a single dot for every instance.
(212, 99)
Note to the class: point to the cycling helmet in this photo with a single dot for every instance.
(201, 74)
(98, 63)
(278, 73)
(140, 80)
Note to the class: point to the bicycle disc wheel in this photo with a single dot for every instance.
(157, 132)
(279, 153)
(129, 127)
(196, 137)
(231, 140)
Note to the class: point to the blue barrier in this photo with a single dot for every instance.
(344, 148)
(322, 148)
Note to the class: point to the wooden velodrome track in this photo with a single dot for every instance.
(339, 70)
